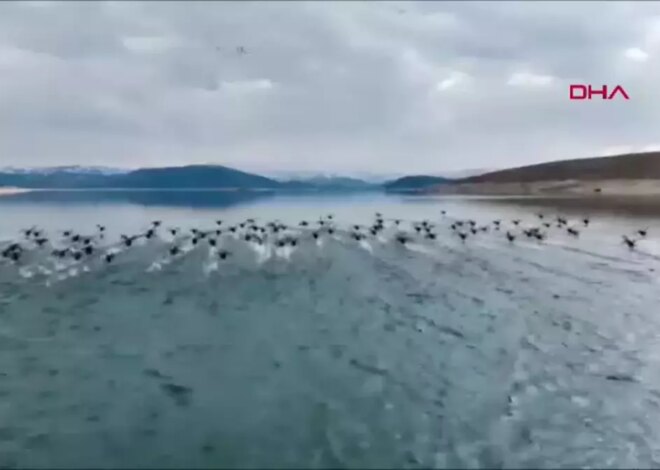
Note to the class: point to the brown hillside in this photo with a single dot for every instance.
(637, 166)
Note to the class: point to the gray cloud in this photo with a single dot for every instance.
(345, 86)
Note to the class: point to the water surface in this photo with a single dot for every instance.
(333, 353)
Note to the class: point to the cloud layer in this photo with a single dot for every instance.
(346, 86)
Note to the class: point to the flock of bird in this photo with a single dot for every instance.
(74, 246)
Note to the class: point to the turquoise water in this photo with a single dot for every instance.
(332, 353)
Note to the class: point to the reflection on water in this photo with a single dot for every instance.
(164, 198)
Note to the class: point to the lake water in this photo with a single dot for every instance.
(336, 352)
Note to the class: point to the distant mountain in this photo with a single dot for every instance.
(367, 177)
(415, 183)
(184, 177)
(191, 177)
(97, 170)
(330, 183)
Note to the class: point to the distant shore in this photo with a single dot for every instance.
(574, 188)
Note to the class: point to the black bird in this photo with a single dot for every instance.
(642, 233)
(430, 236)
(100, 227)
(194, 241)
(473, 230)
(67, 233)
(77, 255)
(232, 229)
(356, 236)
(540, 215)
(331, 231)
(149, 233)
(223, 254)
(546, 224)
(173, 231)
(293, 242)
(629, 242)
(218, 222)
(75, 238)
(89, 249)
(156, 223)
(463, 236)
(572, 231)
(516, 222)
(510, 237)
(109, 257)
(315, 235)
(585, 221)
(41, 241)
(212, 241)
(402, 239)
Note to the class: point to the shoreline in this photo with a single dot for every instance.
(8, 191)
(555, 188)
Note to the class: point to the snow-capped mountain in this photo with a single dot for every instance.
(318, 175)
(86, 170)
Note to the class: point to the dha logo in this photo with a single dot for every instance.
(585, 92)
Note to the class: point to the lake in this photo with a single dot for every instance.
(335, 352)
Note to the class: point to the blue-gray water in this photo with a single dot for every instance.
(332, 353)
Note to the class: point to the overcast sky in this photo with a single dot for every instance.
(340, 87)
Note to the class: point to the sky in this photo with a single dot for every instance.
(343, 87)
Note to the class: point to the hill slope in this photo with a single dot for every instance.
(635, 174)
(618, 167)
